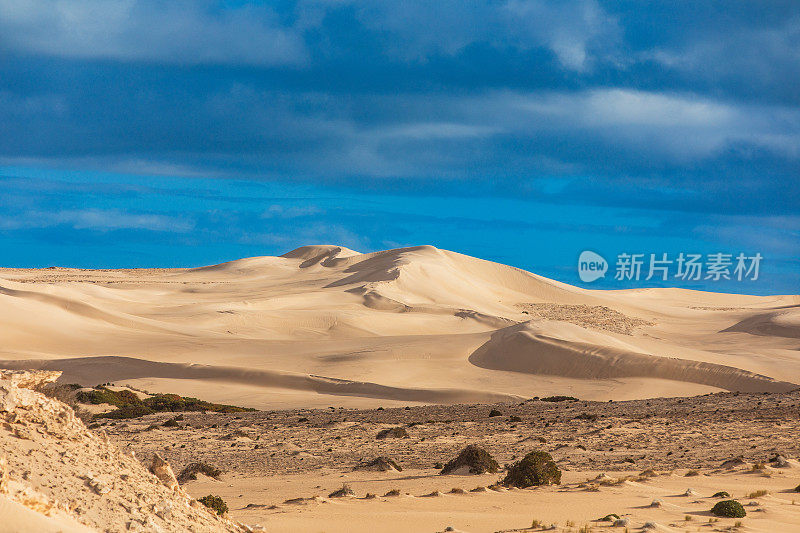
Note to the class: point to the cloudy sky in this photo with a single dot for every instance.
(142, 133)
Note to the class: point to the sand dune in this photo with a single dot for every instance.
(324, 325)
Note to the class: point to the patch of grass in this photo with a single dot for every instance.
(729, 509)
(127, 411)
(215, 503)
(721, 494)
(129, 405)
(758, 493)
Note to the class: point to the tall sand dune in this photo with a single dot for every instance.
(325, 325)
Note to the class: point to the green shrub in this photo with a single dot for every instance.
(729, 509)
(559, 399)
(215, 503)
(536, 468)
(103, 395)
(721, 494)
(478, 460)
(129, 405)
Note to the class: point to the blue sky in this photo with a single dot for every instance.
(143, 133)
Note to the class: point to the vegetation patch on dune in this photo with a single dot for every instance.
(215, 504)
(536, 468)
(129, 405)
(559, 399)
(729, 509)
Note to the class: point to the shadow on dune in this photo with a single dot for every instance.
(571, 353)
(101, 369)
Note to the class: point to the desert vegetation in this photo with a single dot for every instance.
(130, 405)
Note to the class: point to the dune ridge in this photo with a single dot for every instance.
(524, 348)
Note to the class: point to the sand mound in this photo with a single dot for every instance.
(91, 484)
(570, 350)
(783, 323)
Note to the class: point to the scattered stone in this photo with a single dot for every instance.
(380, 464)
(393, 433)
(733, 463)
(344, 492)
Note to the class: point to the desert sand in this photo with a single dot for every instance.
(324, 325)
(681, 394)
(658, 465)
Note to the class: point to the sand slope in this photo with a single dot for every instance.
(324, 325)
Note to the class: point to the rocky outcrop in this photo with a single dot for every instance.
(56, 475)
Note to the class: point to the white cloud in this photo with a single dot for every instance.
(685, 126)
(176, 31)
(96, 219)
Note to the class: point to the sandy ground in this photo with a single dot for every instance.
(323, 325)
(570, 503)
(334, 346)
(280, 466)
